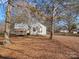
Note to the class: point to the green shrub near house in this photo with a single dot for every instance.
(1, 33)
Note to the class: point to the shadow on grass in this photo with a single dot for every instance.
(1, 43)
(38, 37)
(3, 57)
(75, 58)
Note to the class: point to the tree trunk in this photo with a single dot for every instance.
(51, 33)
(51, 30)
(52, 22)
(7, 26)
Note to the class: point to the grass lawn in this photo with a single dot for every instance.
(39, 47)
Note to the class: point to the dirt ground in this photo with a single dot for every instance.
(38, 47)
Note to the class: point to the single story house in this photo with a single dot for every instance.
(38, 29)
(33, 29)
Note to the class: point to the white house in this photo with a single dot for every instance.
(34, 29)
(38, 29)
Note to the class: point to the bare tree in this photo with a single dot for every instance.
(51, 11)
(7, 23)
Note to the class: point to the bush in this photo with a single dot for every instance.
(1, 33)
